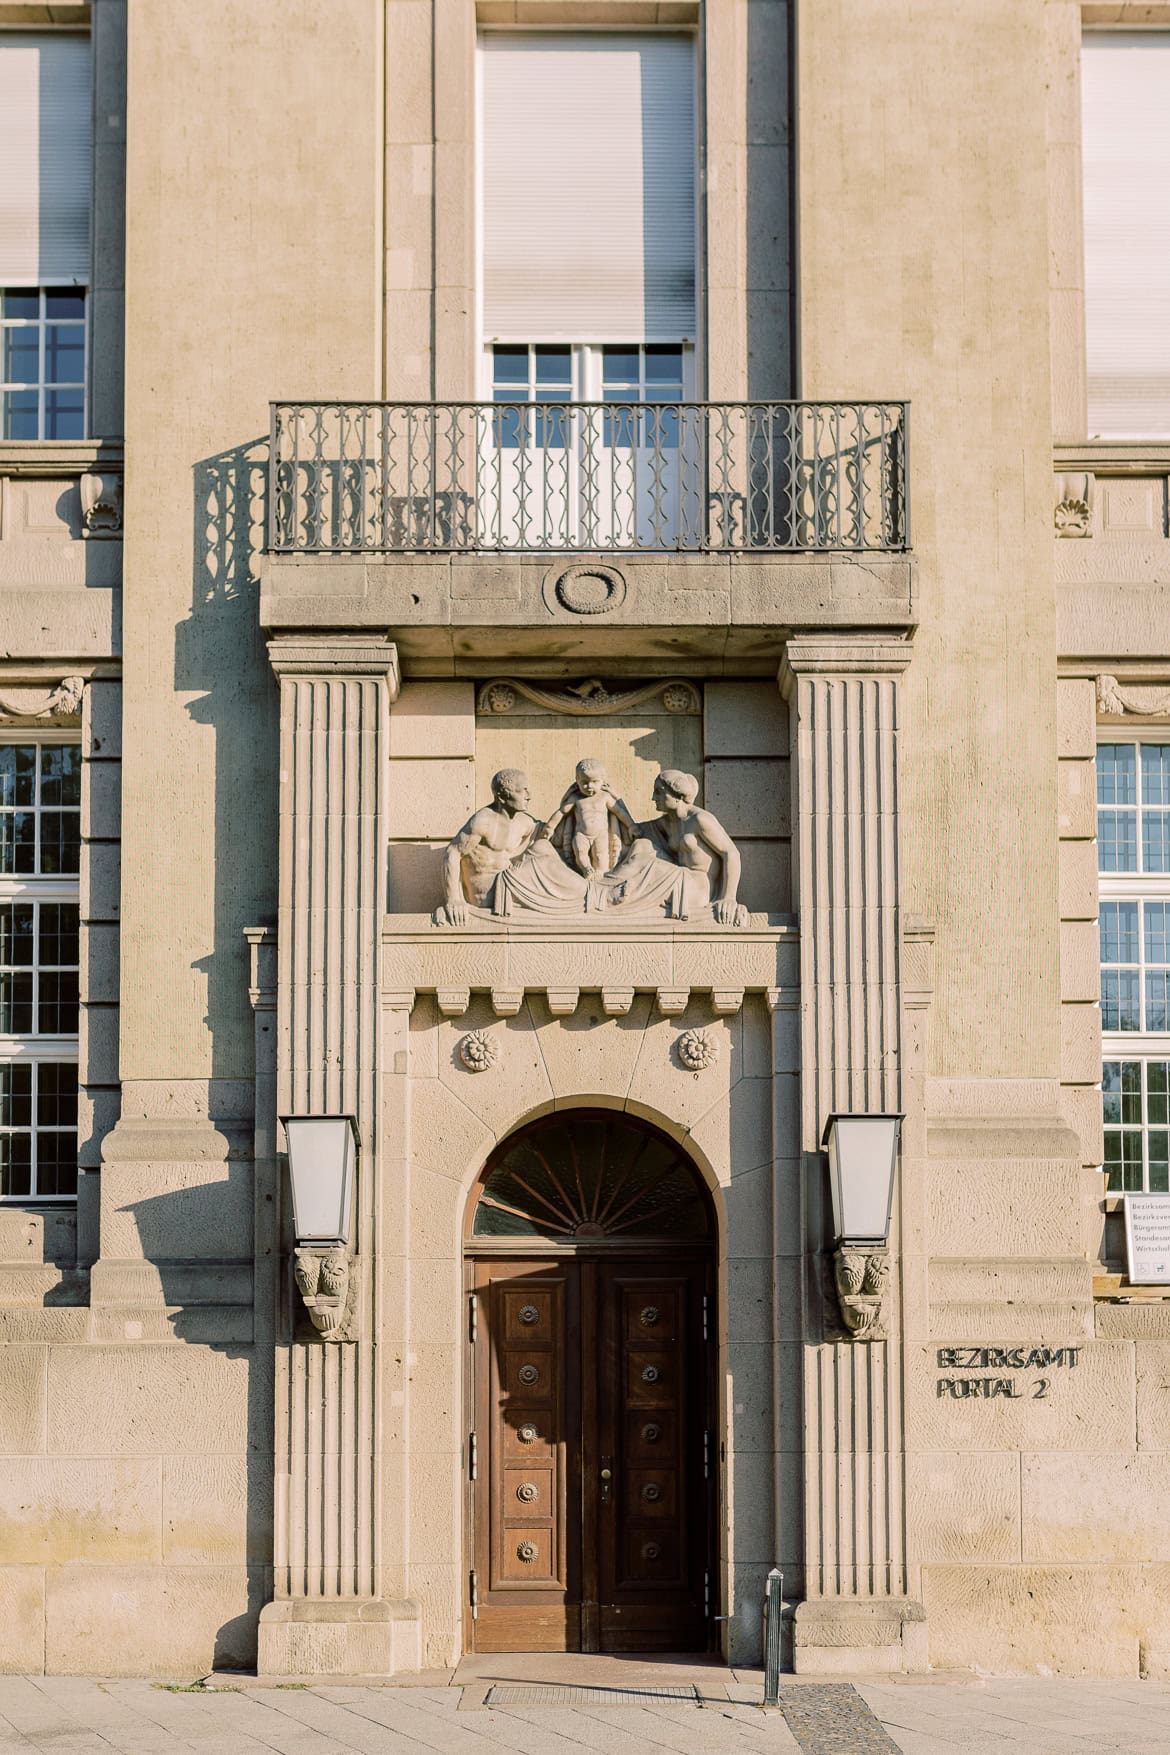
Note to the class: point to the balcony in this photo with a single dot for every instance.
(588, 477)
(634, 534)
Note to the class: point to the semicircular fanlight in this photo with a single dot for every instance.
(591, 1175)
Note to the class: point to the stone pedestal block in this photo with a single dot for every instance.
(361, 1637)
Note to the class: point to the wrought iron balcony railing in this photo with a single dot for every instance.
(568, 477)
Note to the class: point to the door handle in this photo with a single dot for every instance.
(606, 1480)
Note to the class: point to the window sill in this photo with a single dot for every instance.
(50, 457)
(1112, 456)
(1116, 1289)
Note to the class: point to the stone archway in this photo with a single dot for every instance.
(590, 1250)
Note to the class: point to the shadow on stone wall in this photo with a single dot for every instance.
(220, 1305)
(770, 202)
(220, 659)
(220, 655)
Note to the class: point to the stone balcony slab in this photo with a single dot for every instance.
(459, 615)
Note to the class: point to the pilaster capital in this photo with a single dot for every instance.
(852, 654)
(336, 655)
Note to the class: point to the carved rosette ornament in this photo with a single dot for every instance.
(862, 1277)
(327, 1282)
(478, 1051)
(698, 1049)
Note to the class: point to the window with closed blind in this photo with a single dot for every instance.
(1125, 104)
(588, 187)
(45, 173)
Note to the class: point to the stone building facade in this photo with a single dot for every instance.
(261, 664)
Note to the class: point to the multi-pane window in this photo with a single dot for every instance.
(1133, 807)
(540, 375)
(42, 362)
(1133, 841)
(40, 809)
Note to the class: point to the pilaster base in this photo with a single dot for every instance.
(835, 1636)
(351, 1637)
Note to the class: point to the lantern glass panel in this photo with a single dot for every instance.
(862, 1152)
(321, 1159)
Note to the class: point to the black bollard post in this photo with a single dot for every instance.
(773, 1624)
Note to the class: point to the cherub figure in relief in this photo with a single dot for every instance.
(598, 823)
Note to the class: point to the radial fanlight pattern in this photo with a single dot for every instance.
(591, 1175)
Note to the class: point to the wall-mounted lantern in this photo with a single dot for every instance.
(863, 1154)
(322, 1170)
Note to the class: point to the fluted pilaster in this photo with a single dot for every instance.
(334, 722)
(844, 694)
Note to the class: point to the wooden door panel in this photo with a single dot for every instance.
(582, 1366)
(651, 1414)
(526, 1424)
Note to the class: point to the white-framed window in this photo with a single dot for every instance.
(40, 845)
(1125, 119)
(1133, 855)
(587, 186)
(552, 372)
(42, 362)
(46, 160)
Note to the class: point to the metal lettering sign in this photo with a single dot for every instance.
(1026, 1358)
(1147, 1239)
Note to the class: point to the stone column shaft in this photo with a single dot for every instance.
(334, 722)
(844, 694)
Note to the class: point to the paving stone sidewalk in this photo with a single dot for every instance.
(75, 1714)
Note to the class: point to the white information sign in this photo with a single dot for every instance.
(1147, 1239)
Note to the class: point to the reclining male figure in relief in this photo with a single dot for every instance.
(681, 865)
(487, 843)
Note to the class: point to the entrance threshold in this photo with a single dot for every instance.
(681, 1678)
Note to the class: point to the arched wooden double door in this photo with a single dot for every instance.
(592, 1467)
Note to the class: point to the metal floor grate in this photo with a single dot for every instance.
(573, 1694)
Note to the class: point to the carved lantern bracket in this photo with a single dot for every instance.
(862, 1279)
(327, 1280)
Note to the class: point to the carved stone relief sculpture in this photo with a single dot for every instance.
(1137, 701)
(1073, 511)
(56, 704)
(590, 858)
